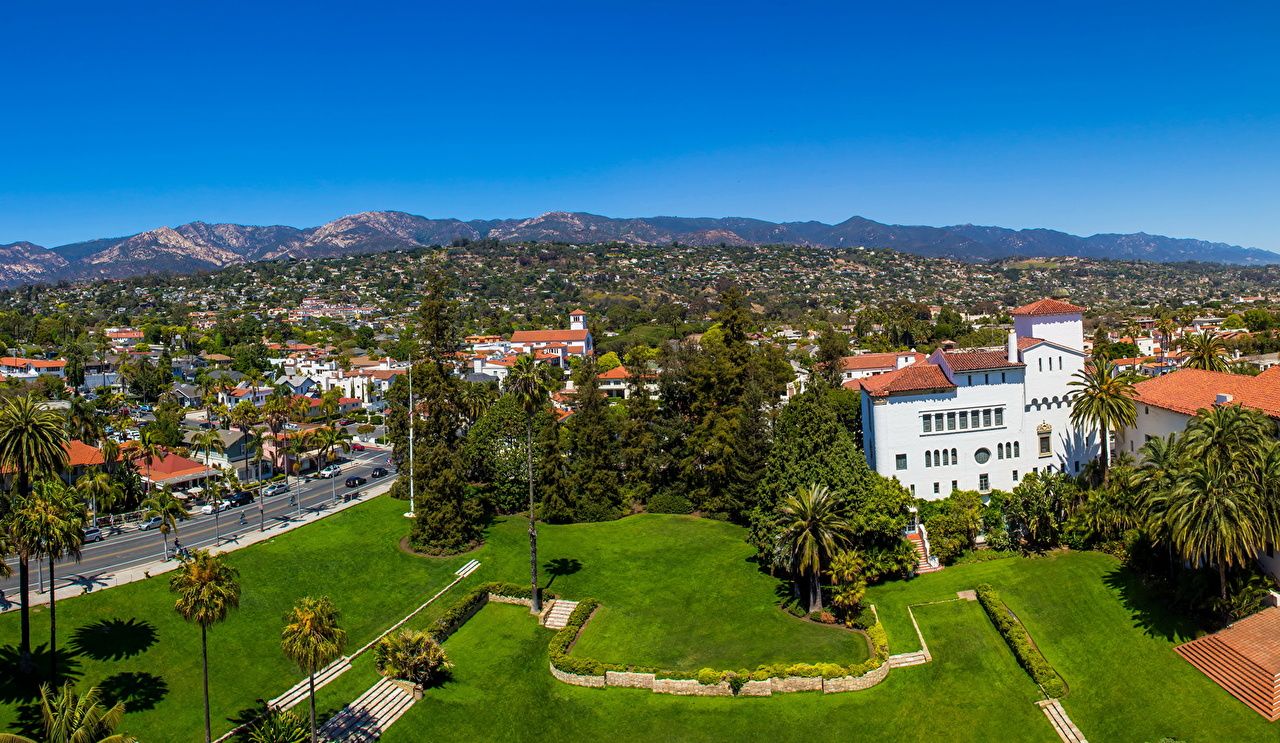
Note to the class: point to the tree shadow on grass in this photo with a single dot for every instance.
(18, 686)
(138, 690)
(1149, 606)
(114, 639)
(561, 566)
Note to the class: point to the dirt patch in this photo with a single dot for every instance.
(409, 550)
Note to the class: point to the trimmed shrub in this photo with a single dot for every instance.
(668, 503)
(1019, 641)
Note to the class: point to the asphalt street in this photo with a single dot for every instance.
(130, 547)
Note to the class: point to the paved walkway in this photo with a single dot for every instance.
(87, 583)
(558, 616)
(370, 715)
(1062, 724)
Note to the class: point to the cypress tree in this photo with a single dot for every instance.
(592, 447)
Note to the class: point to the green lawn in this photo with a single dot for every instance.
(678, 592)
(130, 639)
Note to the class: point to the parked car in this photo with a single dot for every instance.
(151, 523)
(92, 534)
(357, 447)
(345, 422)
(213, 507)
(378, 472)
(275, 488)
(240, 499)
(332, 470)
(355, 481)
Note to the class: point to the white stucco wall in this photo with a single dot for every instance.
(1152, 422)
(1067, 330)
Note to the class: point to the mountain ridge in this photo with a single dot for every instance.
(199, 245)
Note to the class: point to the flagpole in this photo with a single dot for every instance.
(410, 514)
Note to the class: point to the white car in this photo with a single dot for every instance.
(332, 470)
(215, 507)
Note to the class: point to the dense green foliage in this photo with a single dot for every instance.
(1015, 634)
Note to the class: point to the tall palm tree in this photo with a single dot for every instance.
(1229, 435)
(54, 518)
(165, 504)
(1205, 351)
(531, 384)
(476, 398)
(1104, 399)
(1216, 519)
(208, 589)
(76, 718)
(244, 416)
(331, 438)
(209, 441)
(275, 413)
(33, 443)
(83, 421)
(148, 449)
(98, 489)
(815, 529)
(313, 639)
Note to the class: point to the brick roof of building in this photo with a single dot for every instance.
(1048, 307)
(921, 377)
(966, 361)
(617, 372)
(33, 363)
(1189, 390)
(547, 336)
(863, 362)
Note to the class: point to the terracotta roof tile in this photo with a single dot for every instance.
(1048, 307)
(546, 336)
(863, 362)
(921, 377)
(965, 361)
(617, 372)
(1188, 390)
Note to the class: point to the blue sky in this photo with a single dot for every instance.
(1162, 117)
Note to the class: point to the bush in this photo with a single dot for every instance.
(667, 503)
(1019, 641)
(413, 656)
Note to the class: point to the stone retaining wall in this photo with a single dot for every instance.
(796, 683)
(756, 689)
(856, 683)
(576, 680)
(629, 680)
(499, 599)
(691, 688)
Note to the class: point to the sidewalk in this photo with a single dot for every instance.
(82, 583)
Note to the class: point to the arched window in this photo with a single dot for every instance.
(1040, 364)
(999, 451)
(1016, 449)
(954, 459)
(945, 458)
(928, 459)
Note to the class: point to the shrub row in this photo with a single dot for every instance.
(1019, 641)
(563, 641)
(471, 602)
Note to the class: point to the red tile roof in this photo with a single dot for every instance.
(1244, 659)
(617, 372)
(1029, 342)
(1048, 307)
(548, 336)
(866, 361)
(577, 312)
(921, 377)
(1189, 390)
(33, 363)
(966, 361)
(170, 466)
(80, 454)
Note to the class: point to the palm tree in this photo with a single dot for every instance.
(54, 518)
(476, 398)
(83, 422)
(1105, 400)
(75, 718)
(98, 489)
(275, 725)
(147, 448)
(531, 384)
(110, 453)
(244, 416)
(208, 589)
(1216, 519)
(1205, 351)
(33, 443)
(1228, 435)
(815, 529)
(329, 438)
(209, 441)
(313, 639)
(165, 504)
(411, 655)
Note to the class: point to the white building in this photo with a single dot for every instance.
(871, 364)
(980, 419)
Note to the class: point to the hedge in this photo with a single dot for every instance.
(464, 608)
(1019, 641)
(563, 641)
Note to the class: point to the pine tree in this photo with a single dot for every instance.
(592, 447)
(557, 504)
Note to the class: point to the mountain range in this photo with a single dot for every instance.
(199, 246)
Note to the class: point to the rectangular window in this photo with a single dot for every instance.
(1045, 448)
(1002, 379)
(902, 461)
(1015, 475)
(974, 417)
(913, 490)
(999, 416)
(955, 485)
(951, 421)
(964, 419)
(986, 418)
(986, 379)
(928, 423)
(937, 488)
(937, 422)
(984, 483)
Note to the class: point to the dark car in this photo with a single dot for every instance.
(355, 482)
(378, 472)
(239, 499)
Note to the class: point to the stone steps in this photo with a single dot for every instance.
(558, 615)
(1062, 724)
(370, 715)
(903, 660)
(299, 691)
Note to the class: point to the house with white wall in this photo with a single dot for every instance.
(981, 419)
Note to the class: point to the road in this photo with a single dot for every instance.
(131, 547)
